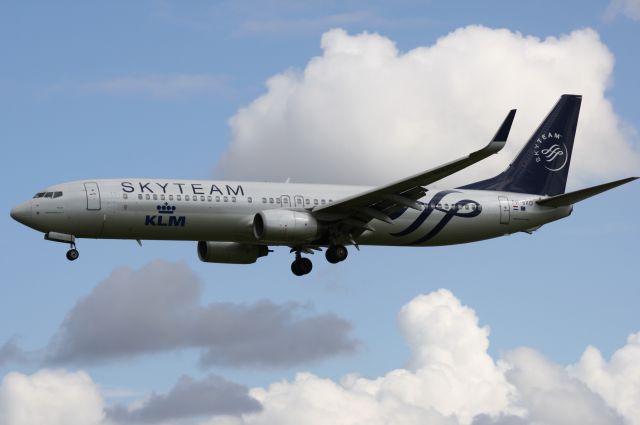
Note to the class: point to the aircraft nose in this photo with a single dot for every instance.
(21, 213)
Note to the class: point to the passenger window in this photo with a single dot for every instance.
(264, 200)
(124, 196)
(217, 199)
(225, 199)
(233, 199)
(271, 200)
(208, 198)
(195, 198)
(315, 202)
(179, 197)
(147, 196)
(140, 196)
(59, 194)
(171, 197)
(466, 207)
(322, 201)
(155, 197)
(162, 197)
(202, 198)
(307, 201)
(186, 197)
(439, 205)
(249, 200)
(48, 194)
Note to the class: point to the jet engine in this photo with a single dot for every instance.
(230, 252)
(285, 226)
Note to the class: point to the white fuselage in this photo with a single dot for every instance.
(202, 210)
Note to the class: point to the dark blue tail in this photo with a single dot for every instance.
(542, 166)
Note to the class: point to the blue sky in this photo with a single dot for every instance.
(93, 90)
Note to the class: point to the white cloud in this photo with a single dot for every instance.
(629, 8)
(617, 381)
(363, 112)
(154, 85)
(450, 380)
(453, 380)
(50, 397)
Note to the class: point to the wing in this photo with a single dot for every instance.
(354, 213)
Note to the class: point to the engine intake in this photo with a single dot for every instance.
(285, 226)
(230, 252)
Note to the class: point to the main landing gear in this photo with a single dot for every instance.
(336, 253)
(302, 266)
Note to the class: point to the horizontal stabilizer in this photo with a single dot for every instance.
(580, 195)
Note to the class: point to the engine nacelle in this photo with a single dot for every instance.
(285, 226)
(230, 252)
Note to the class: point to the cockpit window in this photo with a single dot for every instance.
(57, 194)
(48, 195)
(38, 195)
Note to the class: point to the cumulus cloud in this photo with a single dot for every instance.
(50, 397)
(629, 8)
(452, 380)
(157, 309)
(188, 398)
(616, 381)
(364, 112)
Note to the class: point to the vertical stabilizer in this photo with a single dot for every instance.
(542, 166)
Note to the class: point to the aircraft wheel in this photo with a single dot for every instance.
(72, 254)
(306, 265)
(301, 266)
(336, 253)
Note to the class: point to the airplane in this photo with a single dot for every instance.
(237, 222)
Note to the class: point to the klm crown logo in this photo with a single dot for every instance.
(166, 208)
(161, 218)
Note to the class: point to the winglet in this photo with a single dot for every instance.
(503, 131)
(500, 139)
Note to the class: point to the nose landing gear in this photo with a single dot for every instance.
(73, 253)
(301, 265)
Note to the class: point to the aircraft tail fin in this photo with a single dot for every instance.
(542, 166)
(582, 194)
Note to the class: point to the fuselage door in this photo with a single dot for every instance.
(299, 200)
(505, 212)
(93, 196)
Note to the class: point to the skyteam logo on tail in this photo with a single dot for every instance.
(165, 217)
(550, 151)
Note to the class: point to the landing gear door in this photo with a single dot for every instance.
(505, 211)
(93, 196)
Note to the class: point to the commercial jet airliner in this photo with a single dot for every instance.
(237, 222)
